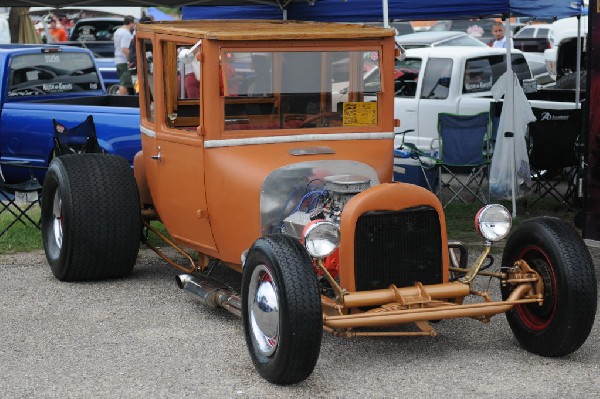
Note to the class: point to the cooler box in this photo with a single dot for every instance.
(408, 170)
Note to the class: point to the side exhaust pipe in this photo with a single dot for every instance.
(210, 293)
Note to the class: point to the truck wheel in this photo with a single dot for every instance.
(90, 217)
(563, 322)
(281, 310)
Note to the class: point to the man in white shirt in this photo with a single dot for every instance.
(122, 39)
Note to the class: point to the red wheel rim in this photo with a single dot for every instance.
(534, 316)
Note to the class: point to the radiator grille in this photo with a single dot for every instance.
(397, 247)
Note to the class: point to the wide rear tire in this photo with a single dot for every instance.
(90, 217)
(281, 310)
(556, 251)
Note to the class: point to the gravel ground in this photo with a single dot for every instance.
(142, 337)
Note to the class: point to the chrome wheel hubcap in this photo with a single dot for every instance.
(263, 309)
(57, 220)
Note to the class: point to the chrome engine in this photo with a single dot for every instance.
(325, 203)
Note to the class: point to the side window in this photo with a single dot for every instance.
(478, 75)
(146, 64)
(182, 86)
(406, 74)
(436, 80)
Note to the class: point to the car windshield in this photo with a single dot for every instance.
(462, 40)
(272, 89)
(49, 73)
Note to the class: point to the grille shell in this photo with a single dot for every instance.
(398, 247)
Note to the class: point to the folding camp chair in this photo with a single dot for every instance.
(76, 140)
(554, 155)
(18, 199)
(462, 164)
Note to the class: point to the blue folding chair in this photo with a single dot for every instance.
(462, 164)
(76, 140)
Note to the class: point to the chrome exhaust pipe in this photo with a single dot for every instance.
(210, 293)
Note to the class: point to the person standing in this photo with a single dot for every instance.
(498, 32)
(122, 39)
(57, 34)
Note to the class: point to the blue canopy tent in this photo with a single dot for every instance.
(373, 10)
(248, 11)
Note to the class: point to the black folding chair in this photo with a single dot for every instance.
(19, 198)
(554, 155)
(77, 139)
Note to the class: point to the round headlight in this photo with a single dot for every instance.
(493, 222)
(321, 238)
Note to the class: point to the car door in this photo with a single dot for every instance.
(176, 149)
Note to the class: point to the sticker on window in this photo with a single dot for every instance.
(360, 114)
(52, 58)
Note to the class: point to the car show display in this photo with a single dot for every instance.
(252, 161)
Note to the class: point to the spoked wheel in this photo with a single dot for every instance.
(281, 310)
(563, 322)
(90, 217)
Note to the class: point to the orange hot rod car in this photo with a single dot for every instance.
(251, 159)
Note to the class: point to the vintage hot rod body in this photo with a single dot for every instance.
(250, 162)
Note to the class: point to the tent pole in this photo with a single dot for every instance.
(386, 18)
(510, 93)
(578, 63)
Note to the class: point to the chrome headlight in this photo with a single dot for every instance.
(321, 238)
(493, 222)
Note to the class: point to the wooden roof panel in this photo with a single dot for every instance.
(265, 30)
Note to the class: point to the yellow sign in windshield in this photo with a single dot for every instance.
(360, 114)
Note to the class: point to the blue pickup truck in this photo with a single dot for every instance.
(39, 83)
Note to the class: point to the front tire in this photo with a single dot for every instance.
(281, 310)
(563, 322)
(90, 217)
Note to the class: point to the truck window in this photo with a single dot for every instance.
(96, 29)
(49, 73)
(481, 73)
(436, 79)
(293, 89)
(182, 88)
(406, 77)
(478, 76)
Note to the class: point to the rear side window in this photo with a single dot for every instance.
(481, 73)
(52, 73)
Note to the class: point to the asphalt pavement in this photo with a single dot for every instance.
(142, 337)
